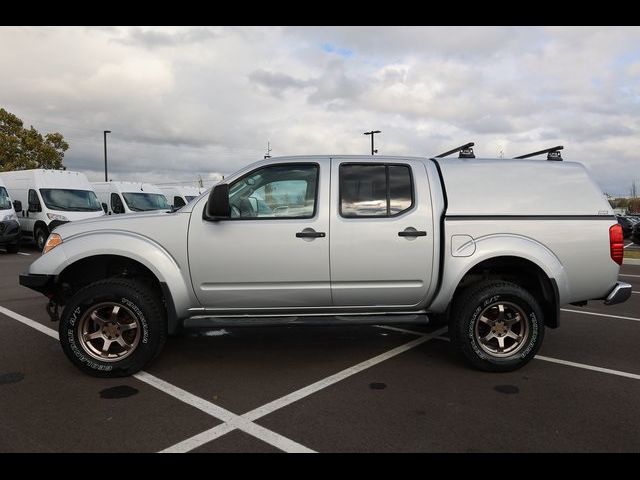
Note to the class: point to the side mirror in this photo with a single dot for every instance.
(104, 207)
(17, 206)
(218, 204)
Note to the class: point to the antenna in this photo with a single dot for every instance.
(268, 154)
(552, 154)
(466, 151)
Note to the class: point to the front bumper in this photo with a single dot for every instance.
(620, 293)
(40, 283)
(10, 232)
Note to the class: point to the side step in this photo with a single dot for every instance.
(202, 321)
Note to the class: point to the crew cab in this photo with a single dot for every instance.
(494, 247)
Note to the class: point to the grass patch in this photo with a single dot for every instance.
(632, 254)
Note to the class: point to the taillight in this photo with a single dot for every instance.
(616, 243)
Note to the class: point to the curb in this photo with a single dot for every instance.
(631, 261)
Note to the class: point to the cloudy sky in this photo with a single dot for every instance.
(189, 101)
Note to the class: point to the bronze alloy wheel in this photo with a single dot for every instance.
(109, 332)
(502, 329)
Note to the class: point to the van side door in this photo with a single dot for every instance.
(382, 243)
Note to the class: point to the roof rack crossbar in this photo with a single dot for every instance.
(553, 153)
(465, 151)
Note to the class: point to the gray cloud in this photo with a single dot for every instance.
(157, 38)
(188, 101)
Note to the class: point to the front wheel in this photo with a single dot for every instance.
(113, 328)
(41, 235)
(498, 326)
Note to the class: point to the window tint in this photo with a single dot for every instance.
(278, 191)
(400, 189)
(178, 202)
(363, 190)
(5, 201)
(375, 190)
(69, 200)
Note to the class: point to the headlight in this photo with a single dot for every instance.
(52, 242)
(53, 216)
(11, 216)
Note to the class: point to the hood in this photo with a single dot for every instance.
(78, 216)
(139, 222)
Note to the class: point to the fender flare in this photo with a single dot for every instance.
(176, 291)
(494, 246)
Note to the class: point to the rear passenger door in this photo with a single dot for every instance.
(381, 242)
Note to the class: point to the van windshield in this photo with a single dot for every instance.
(70, 200)
(5, 201)
(141, 202)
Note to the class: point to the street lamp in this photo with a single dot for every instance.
(372, 133)
(105, 154)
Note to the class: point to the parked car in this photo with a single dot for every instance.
(179, 195)
(635, 234)
(343, 239)
(129, 197)
(10, 232)
(52, 198)
(627, 225)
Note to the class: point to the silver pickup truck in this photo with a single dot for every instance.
(493, 246)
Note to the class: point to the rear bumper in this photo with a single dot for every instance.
(40, 283)
(620, 293)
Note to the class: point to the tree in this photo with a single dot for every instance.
(25, 148)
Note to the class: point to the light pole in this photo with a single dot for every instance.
(105, 154)
(372, 133)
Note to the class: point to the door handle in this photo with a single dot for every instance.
(412, 232)
(310, 234)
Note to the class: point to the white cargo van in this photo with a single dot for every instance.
(9, 226)
(179, 196)
(51, 197)
(129, 197)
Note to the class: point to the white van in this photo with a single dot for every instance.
(51, 197)
(10, 232)
(129, 197)
(179, 196)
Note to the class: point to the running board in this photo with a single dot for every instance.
(202, 321)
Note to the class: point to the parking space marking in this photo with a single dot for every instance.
(628, 244)
(234, 421)
(230, 419)
(628, 275)
(216, 432)
(589, 367)
(30, 323)
(633, 319)
(23, 253)
(575, 364)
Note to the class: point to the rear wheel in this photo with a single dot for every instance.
(498, 326)
(113, 328)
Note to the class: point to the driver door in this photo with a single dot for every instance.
(273, 253)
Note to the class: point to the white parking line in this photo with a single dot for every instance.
(231, 419)
(628, 244)
(23, 253)
(253, 415)
(575, 364)
(30, 323)
(589, 367)
(600, 314)
(627, 275)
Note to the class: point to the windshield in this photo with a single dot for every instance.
(140, 202)
(5, 201)
(70, 200)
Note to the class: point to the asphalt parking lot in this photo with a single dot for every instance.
(322, 389)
